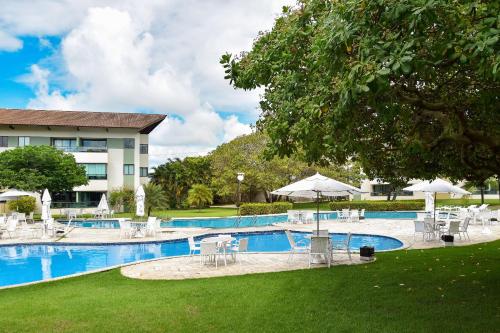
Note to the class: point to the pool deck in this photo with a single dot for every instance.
(190, 267)
(400, 229)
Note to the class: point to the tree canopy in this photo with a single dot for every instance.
(34, 168)
(408, 88)
(263, 174)
(176, 177)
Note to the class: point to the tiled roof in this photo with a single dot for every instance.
(143, 123)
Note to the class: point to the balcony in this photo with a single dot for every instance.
(399, 193)
(83, 149)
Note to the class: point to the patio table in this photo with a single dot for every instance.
(221, 241)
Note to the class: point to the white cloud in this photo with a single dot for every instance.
(9, 42)
(161, 56)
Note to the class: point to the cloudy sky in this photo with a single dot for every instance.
(156, 56)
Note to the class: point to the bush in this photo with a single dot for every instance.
(122, 200)
(379, 205)
(265, 208)
(23, 205)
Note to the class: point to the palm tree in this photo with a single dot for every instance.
(155, 197)
(199, 196)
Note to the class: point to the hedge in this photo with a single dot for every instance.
(265, 208)
(379, 205)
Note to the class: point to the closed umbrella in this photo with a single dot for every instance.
(436, 186)
(315, 187)
(46, 215)
(103, 204)
(140, 197)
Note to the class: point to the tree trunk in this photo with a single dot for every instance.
(394, 194)
(149, 211)
(482, 194)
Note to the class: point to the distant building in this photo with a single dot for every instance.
(113, 147)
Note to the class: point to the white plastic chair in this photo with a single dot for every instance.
(344, 246)
(193, 246)
(308, 216)
(240, 247)
(354, 216)
(208, 250)
(151, 226)
(463, 228)
(295, 246)
(362, 214)
(419, 228)
(21, 218)
(126, 229)
(454, 229)
(346, 214)
(11, 227)
(320, 246)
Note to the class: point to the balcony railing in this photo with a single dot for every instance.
(83, 149)
(85, 204)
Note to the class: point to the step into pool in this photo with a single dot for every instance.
(38, 262)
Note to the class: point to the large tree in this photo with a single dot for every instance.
(408, 87)
(34, 168)
(264, 173)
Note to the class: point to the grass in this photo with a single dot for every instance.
(439, 290)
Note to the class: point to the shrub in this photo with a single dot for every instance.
(200, 196)
(122, 200)
(265, 208)
(23, 205)
(379, 205)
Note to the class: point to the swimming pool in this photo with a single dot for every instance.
(263, 220)
(37, 262)
(233, 221)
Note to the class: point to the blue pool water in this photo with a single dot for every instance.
(28, 263)
(234, 222)
(263, 220)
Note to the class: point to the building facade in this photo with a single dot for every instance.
(113, 147)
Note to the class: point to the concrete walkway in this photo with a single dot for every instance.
(190, 267)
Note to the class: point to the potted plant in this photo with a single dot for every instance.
(447, 239)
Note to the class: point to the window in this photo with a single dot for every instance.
(144, 148)
(95, 170)
(128, 143)
(94, 145)
(65, 144)
(4, 141)
(128, 169)
(144, 171)
(24, 141)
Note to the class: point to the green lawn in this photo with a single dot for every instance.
(439, 290)
(206, 212)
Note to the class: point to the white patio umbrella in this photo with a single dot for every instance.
(315, 187)
(46, 200)
(103, 204)
(140, 197)
(13, 194)
(436, 186)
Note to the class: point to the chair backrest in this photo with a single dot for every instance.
(483, 207)
(208, 248)
(345, 212)
(322, 232)
(319, 244)
(243, 245)
(354, 213)
(21, 216)
(419, 226)
(11, 223)
(347, 241)
(191, 243)
(151, 223)
(124, 224)
(454, 227)
(362, 213)
(339, 215)
(291, 240)
(466, 223)
(421, 216)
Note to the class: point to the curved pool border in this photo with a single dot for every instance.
(105, 269)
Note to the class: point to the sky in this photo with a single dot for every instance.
(151, 56)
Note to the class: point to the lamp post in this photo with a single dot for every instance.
(240, 178)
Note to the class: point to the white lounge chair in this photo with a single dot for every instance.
(295, 247)
(193, 246)
(320, 246)
(240, 247)
(344, 246)
(208, 250)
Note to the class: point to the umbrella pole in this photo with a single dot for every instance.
(317, 213)
(435, 193)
